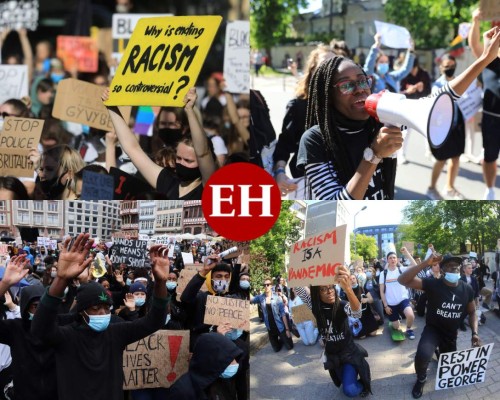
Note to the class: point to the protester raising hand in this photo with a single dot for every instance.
(15, 271)
(73, 260)
(129, 301)
(209, 264)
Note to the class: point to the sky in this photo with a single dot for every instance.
(313, 5)
(377, 212)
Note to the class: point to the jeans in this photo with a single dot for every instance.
(350, 384)
(277, 341)
(308, 333)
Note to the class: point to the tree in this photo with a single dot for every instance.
(432, 23)
(366, 247)
(267, 253)
(270, 21)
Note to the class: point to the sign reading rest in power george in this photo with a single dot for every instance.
(314, 260)
(163, 60)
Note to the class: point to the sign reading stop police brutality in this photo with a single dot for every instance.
(18, 137)
(237, 57)
(462, 368)
(314, 260)
(162, 61)
(13, 82)
(131, 252)
(80, 102)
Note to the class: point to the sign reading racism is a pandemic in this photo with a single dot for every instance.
(315, 260)
(163, 60)
(80, 102)
(18, 137)
(462, 368)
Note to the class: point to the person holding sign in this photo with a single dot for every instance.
(91, 350)
(344, 359)
(195, 161)
(449, 300)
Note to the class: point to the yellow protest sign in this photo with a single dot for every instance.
(163, 60)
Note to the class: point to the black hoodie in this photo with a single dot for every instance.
(211, 356)
(33, 363)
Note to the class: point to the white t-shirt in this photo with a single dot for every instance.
(395, 293)
(219, 146)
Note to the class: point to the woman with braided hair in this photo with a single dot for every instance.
(344, 359)
(346, 154)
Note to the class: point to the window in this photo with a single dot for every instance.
(23, 216)
(197, 229)
(38, 218)
(53, 206)
(177, 219)
(52, 219)
(38, 205)
(23, 204)
(3, 219)
(3, 205)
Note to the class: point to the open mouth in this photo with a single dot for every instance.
(360, 103)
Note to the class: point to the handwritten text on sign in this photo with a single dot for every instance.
(314, 260)
(157, 360)
(237, 57)
(80, 52)
(162, 61)
(236, 312)
(13, 82)
(80, 102)
(131, 252)
(18, 136)
(461, 368)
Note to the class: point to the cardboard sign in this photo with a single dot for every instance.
(462, 368)
(157, 360)
(19, 14)
(162, 61)
(236, 312)
(471, 101)
(13, 82)
(302, 313)
(237, 57)
(314, 260)
(134, 253)
(80, 52)
(80, 102)
(126, 186)
(184, 277)
(410, 246)
(490, 10)
(18, 136)
(97, 186)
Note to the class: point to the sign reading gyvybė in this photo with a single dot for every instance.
(163, 60)
(314, 260)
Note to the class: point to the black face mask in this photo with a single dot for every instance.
(449, 72)
(52, 188)
(170, 136)
(186, 174)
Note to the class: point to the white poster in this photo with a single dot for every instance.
(471, 101)
(19, 14)
(237, 57)
(187, 258)
(13, 82)
(393, 36)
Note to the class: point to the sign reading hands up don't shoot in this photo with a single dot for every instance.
(163, 60)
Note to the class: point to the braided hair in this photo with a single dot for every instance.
(318, 312)
(320, 105)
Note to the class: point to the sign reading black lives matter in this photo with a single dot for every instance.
(19, 14)
(133, 253)
(237, 57)
(462, 368)
(162, 61)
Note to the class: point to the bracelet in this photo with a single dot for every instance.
(279, 171)
(474, 334)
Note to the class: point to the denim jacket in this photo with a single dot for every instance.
(277, 307)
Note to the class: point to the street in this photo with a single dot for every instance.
(412, 179)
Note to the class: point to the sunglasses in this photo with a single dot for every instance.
(348, 87)
(268, 284)
(327, 289)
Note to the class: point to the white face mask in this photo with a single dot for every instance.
(121, 8)
(220, 285)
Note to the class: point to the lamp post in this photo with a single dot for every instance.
(355, 244)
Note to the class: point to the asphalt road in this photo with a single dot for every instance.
(412, 179)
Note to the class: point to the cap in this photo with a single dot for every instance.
(91, 294)
(137, 287)
(448, 257)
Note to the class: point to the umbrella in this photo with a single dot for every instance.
(203, 236)
(187, 236)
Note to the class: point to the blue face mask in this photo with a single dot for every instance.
(368, 274)
(244, 285)
(140, 302)
(99, 323)
(234, 334)
(354, 286)
(171, 285)
(383, 68)
(31, 316)
(230, 371)
(451, 277)
(56, 77)
(128, 281)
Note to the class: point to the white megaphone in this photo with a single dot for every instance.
(431, 116)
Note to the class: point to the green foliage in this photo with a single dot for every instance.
(267, 253)
(366, 247)
(449, 224)
(270, 21)
(432, 23)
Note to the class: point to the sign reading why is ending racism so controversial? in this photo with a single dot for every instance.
(80, 102)
(157, 360)
(237, 57)
(236, 312)
(314, 260)
(162, 61)
(462, 368)
(18, 137)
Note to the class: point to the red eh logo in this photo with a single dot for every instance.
(241, 201)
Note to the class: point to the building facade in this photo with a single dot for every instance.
(386, 237)
(129, 213)
(147, 216)
(45, 215)
(168, 217)
(193, 220)
(99, 218)
(6, 227)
